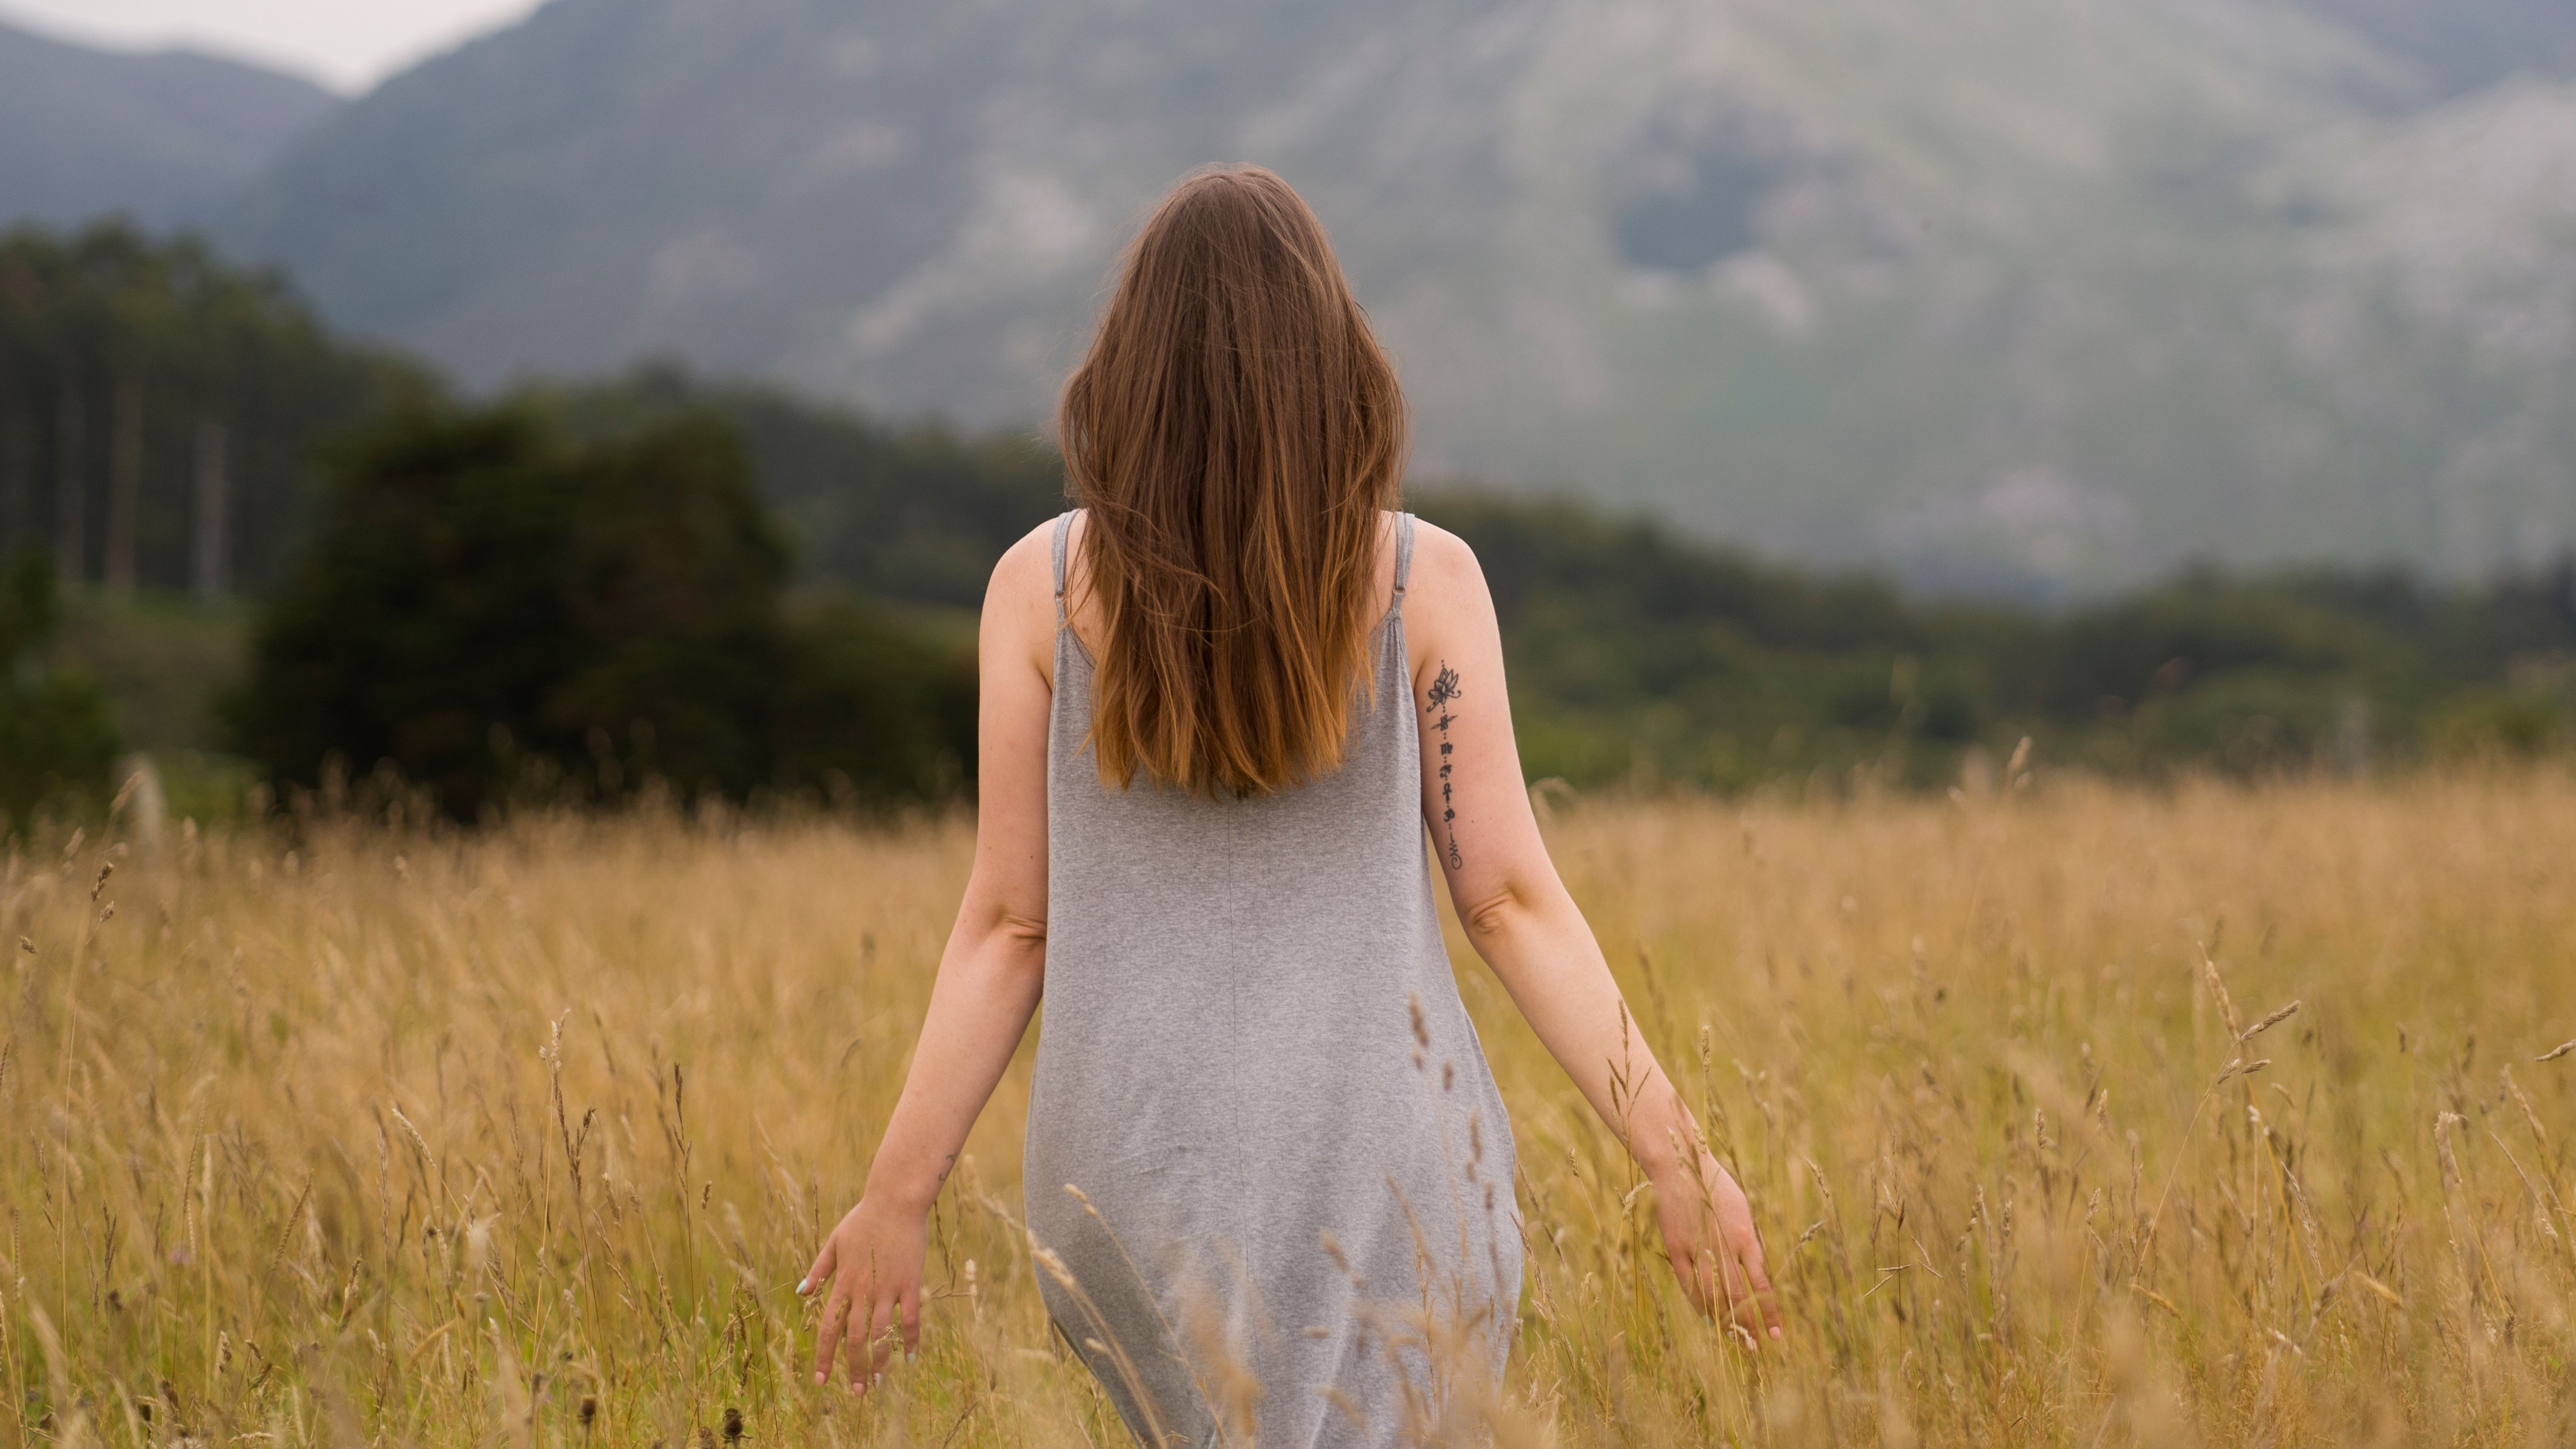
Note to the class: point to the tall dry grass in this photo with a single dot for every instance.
(524, 1138)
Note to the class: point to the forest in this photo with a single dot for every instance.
(260, 527)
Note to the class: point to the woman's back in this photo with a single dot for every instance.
(1255, 1066)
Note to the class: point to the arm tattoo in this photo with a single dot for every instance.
(1444, 692)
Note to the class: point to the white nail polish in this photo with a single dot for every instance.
(802, 1284)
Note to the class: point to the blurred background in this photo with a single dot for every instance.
(476, 398)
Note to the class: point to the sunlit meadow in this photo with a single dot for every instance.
(2072, 1116)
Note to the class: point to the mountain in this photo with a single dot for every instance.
(163, 137)
(2035, 294)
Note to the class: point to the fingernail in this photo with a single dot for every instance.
(912, 1358)
(1775, 1333)
(818, 1380)
(802, 1284)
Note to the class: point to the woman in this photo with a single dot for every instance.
(1267, 1168)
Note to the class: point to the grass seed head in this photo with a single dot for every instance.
(2218, 991)
(2513, 1089)
(2269, 1022)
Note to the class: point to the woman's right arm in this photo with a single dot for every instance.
(1523, 922)
(980, 1004)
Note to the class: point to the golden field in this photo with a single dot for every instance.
(334, 1134)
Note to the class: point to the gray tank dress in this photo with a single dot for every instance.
(1295, 1223)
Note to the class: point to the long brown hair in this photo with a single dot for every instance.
(1236, 434)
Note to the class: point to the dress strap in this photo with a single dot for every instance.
(1063, 529)
(1403, 558)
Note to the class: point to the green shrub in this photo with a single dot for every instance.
(58, 740)
(871, 708)
(2499, 724)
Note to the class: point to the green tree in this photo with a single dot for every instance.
(486, 601)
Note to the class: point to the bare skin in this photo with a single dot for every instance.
(1514, 909)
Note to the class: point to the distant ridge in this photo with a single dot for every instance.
(162, 137)
(2021, 294)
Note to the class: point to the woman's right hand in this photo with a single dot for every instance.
(870, 1273)
(1709, 1235)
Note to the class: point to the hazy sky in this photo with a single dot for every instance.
(346, 44)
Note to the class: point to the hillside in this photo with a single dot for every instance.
(2020, 293)
(164, 137)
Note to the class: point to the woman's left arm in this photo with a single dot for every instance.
(986, 991)
(1518, 915)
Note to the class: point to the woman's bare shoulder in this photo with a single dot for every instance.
(1019, 602)
(1032, 553)
(1445, 571)
(1446, 606)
